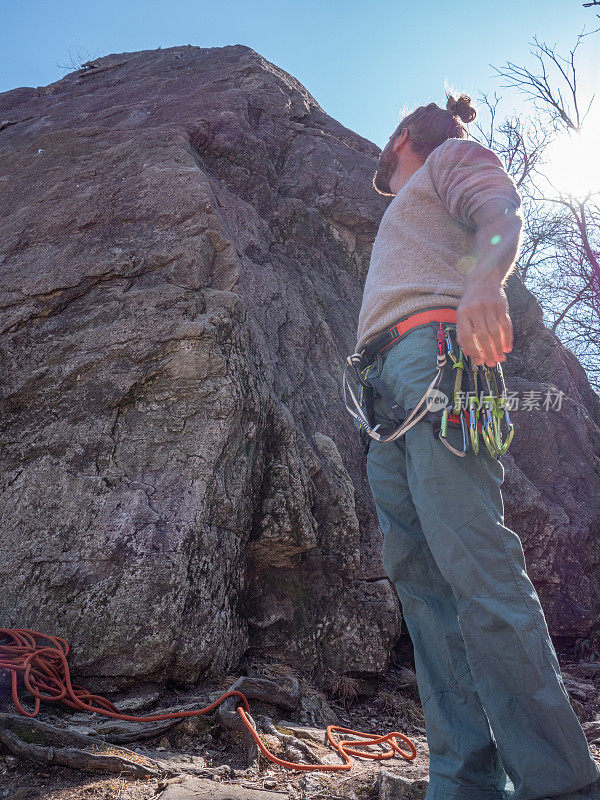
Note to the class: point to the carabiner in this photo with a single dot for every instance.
(509, 426)
(443, 429)
(502, 410)
(487, 424)
(459, 366)
(474, 406)
(353, 362)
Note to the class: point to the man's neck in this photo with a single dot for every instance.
(403, 174)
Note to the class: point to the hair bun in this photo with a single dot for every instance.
(461, 107)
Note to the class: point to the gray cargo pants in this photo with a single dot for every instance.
(498, 718)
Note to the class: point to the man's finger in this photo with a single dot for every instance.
(474, 349)
(482, 336)
(489, 333)
(476, 355)
(466, 341)
(497, 349)
(487, 347)
(506, 329)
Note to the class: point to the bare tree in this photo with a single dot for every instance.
(559, 257)
(77, 59)
(521, 144)
(560, 103)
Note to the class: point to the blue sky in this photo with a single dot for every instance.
(364, 62)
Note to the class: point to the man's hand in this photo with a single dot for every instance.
(483, 326)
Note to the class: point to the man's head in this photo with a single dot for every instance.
(397, 162)
(416, 137)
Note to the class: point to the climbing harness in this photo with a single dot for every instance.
(45, 673)
(481, 415)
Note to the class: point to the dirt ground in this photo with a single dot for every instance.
(199, 744)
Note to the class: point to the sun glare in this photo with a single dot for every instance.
(573, 161)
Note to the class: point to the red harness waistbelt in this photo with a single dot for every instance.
(390, 336)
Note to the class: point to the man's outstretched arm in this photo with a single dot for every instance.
(482, 315)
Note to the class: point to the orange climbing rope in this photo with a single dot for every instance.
(46, 675)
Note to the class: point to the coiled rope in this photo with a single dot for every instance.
(45, 672)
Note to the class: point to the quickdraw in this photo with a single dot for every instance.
(369, 384)
(484, 415)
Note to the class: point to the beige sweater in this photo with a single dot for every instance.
(421, 252)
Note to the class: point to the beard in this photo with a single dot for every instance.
(388, 161)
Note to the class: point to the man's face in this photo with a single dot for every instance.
(388, 161)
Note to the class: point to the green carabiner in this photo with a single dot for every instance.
(459, 366)
(503, 447)
(502, 411)
(473, 422)
(474, 406)
(487, 423)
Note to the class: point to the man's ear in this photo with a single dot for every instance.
(400, 139)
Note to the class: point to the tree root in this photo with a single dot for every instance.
(38, 741)
(128, 731)
(262, 689)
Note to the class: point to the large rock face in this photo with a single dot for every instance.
(184, 241)
(552, 486)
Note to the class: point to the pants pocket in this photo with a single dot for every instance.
(411, 365)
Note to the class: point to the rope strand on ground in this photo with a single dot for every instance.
(46, 676)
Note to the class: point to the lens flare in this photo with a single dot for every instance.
(573, 160)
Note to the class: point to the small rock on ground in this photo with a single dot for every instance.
(200, 789)
(395, 787)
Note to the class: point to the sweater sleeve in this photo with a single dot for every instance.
(466, 174)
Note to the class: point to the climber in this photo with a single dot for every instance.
(499, 721)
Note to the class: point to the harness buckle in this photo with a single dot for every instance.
(441, 339)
